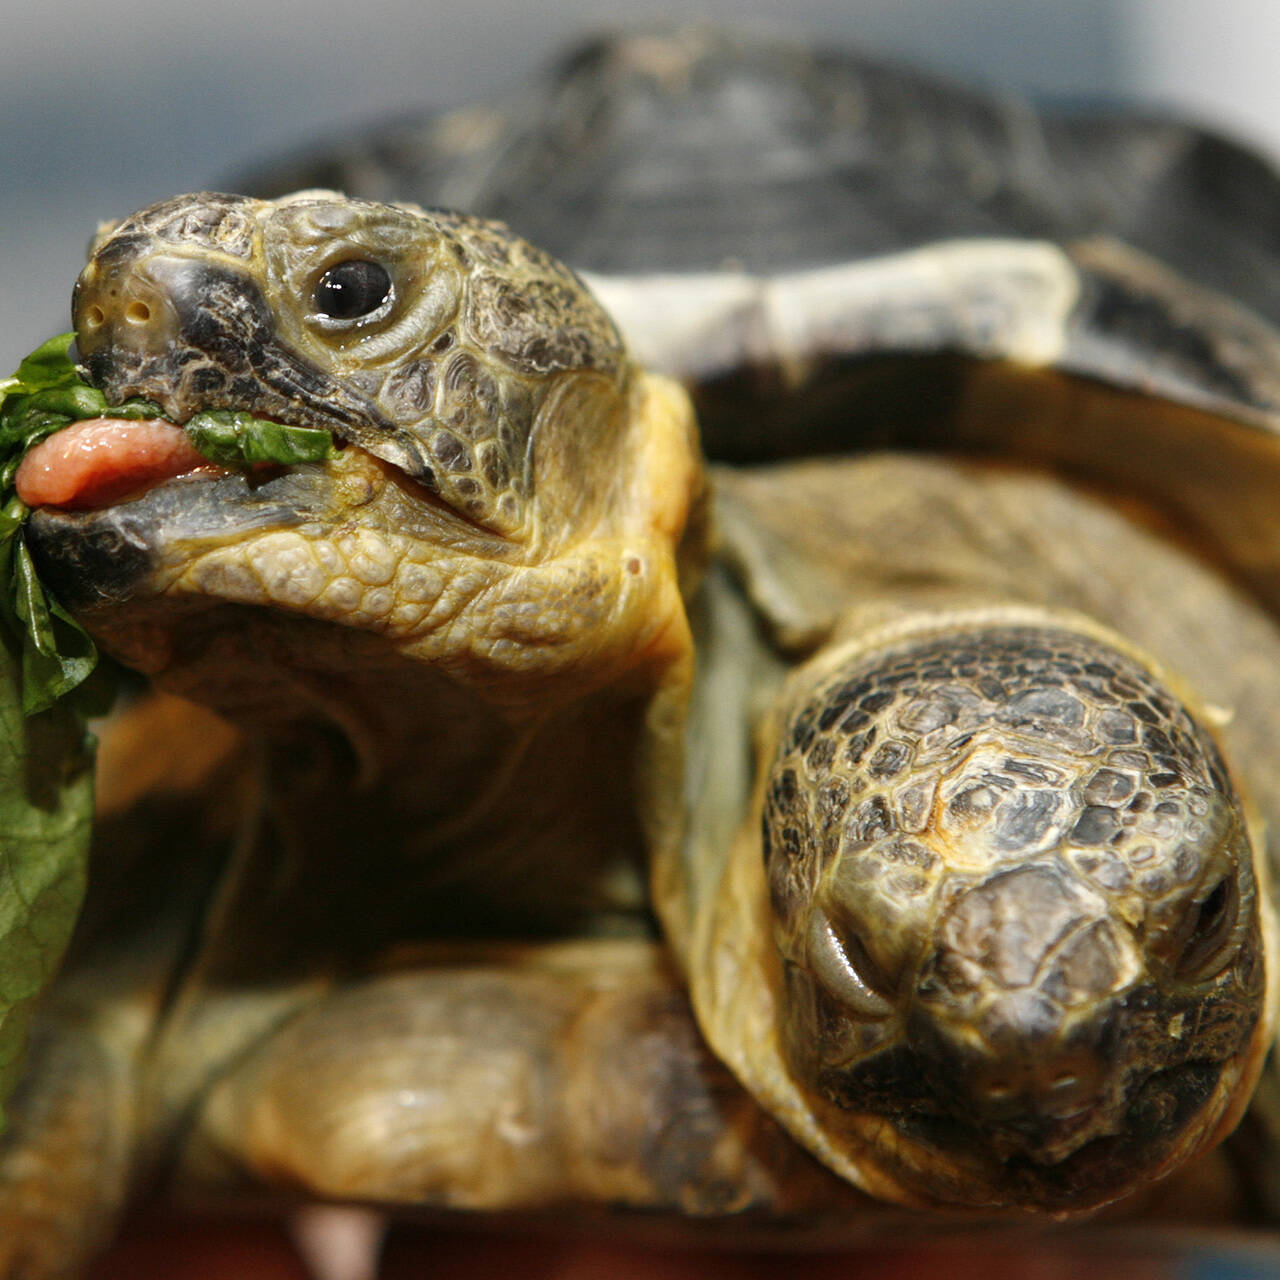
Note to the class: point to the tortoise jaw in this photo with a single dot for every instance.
(1067, 1139)
(1050, 1170)
(110, 555)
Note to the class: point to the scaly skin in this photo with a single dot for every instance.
(463, 645)
(1003, 864)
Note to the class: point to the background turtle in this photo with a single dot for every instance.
(973, 695)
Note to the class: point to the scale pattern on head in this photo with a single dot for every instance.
(502, 512)
(1010, 878)
(426, 338)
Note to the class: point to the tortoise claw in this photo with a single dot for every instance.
(339, 1242)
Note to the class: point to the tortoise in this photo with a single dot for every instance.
(945, 779)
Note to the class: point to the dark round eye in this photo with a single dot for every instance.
(352, 289)
(1211, 926)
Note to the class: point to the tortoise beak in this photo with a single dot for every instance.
(113, 554)
(1023, 1003)
(188, 332)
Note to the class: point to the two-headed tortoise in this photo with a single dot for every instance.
(947, 781)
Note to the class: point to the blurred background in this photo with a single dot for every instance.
(106, 107)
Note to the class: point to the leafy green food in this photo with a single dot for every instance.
(45, 395)
(46, 753)
(46, 813)
(234, 438)
(48, 685)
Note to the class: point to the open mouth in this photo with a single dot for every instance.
(100, 461)
(97, 462)
(116, 500)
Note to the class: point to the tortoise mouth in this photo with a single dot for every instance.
(111, 530)
(135, 548)
(1167, 1116)
(100, 462)
(108, 554)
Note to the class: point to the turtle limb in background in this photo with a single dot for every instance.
(465, 642)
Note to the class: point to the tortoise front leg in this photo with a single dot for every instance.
(65, 1159)
(527, 1079)
(82, 1122)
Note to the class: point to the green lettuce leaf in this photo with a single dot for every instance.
(46, 753)
(51, 682)
(46, 813)
(45, 395)
(236, 439)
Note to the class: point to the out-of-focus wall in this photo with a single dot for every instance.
(108, 105)
(1217, 62)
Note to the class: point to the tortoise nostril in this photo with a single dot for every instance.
(137, 312)
(94, 316)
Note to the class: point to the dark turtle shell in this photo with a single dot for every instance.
(704, 150)
(841, 254)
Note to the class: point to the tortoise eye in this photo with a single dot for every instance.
(352, 289)
(841, 962)
(1211, 926)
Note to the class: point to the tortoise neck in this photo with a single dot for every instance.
(470, 820)
(428, 809)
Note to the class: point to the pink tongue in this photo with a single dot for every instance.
(100, 460)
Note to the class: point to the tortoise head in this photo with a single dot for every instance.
(1017, 912)
(507, 491)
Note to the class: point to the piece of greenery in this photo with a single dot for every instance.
(235, 439)
(44, 826)
(46, 815)
(46, 752)
(45, 395)
(48, 685)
